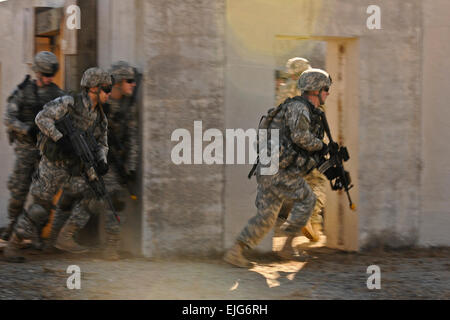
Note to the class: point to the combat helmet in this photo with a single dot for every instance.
(46, 63)
(314, 79)
(121, 70)
(93, 77)
(295, 66)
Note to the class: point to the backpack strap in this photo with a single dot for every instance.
(271, 114)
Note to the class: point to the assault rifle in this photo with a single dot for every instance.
(333, 168)
(85, 146)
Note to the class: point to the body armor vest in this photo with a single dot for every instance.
(82, 120)
(34, 98)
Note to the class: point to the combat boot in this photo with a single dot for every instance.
(66, 242)
(59, 219)
(12, 250)
(235, 257)
(318, 230)
(111, 251)
(6, 234)
(309, 232)
(288, 252)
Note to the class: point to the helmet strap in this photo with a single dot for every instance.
(39, 79)
(99, 102)
(321, 102)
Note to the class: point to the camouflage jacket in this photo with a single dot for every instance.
(287, 90)
(123, 126)
(301, 133)
(24, 104)
(79, 107)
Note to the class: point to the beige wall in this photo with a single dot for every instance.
(387, 153)
(435, 112)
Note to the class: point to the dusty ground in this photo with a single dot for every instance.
(325, 274)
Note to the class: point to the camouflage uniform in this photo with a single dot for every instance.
(123, 125)
(287, 184)
(74, 208)
(124, 148)
(289, 89)
(23, 105)
(301, 135)
(317, 181)
(59, 168)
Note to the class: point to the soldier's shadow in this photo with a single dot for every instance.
(278, 271)
(275, 270)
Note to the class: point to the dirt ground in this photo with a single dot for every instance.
(322, 274)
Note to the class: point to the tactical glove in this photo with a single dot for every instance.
(32, 131)
(132, 176)
(333, 147)
(102, 167)
(324, 151)
(65, 145)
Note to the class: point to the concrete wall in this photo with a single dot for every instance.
(14, 53)
(118, 29)
(183, 47)
(214, 61)
(435, 112)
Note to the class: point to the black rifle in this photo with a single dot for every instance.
(333, 168)
(85, 146)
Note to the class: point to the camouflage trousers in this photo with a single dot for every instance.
(48, 180)
(77, 206)
(317, 182)
(27, 160)
(269, 203)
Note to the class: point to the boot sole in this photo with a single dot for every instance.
(70, 250)
(236, 263)
(15, 259)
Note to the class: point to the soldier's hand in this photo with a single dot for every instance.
(91, 174)
(102, 167)
(132, 175)
(324, 151)
(32, 131)
(65, 145)
(333, 147)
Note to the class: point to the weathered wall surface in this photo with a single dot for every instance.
(435, 212)
(389, 130)
(182, 43)
(118, 27)
(15, 52)
(214, 61)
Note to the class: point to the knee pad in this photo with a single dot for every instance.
(38, 215)
(25, 228)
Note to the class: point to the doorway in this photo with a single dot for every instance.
(48, 36)
(339, 57)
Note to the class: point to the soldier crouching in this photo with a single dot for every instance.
(60, 167)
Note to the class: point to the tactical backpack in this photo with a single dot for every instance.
(287, 153)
